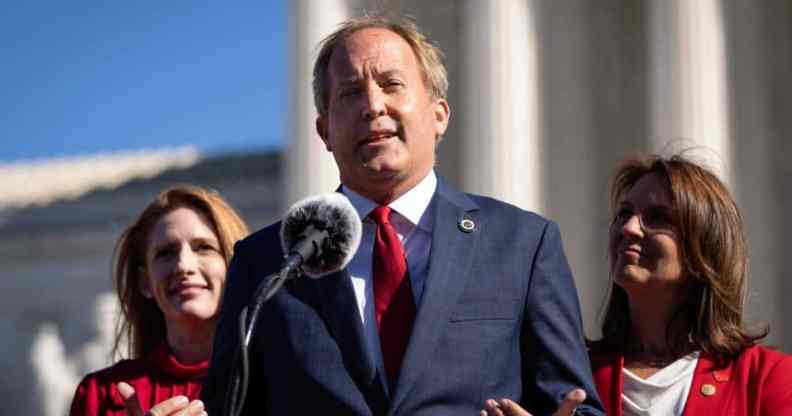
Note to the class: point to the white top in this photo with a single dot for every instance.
(664, 393)
(412, 218)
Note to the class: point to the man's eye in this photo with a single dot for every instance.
(349, 92)
(393, 84)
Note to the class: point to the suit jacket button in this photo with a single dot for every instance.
(708, 390)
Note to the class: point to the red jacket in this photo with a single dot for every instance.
(759, 382)
(156, 377)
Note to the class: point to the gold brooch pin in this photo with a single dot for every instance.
(708, 390)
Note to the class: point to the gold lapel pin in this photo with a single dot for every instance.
(708, 390)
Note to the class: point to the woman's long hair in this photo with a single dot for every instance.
(141, 326)
(714, 255)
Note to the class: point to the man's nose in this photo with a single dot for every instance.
(374, 105)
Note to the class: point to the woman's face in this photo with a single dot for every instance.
(644, 248)
(185, 267)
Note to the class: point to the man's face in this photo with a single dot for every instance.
(381, 123)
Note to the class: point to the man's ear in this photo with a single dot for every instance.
(442, 113)
(321, 130)
(143, 283)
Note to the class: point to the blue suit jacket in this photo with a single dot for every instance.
(499, 317)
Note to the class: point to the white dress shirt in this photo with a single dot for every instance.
(663, 393)
(412, 218)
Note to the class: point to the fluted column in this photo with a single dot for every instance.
(501, 150)
(310, 169)
(689, 98)
(759, 62)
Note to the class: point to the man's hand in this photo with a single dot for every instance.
(506, 407)
(175, 406)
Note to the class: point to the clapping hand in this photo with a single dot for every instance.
(506, 407)
(175, 406)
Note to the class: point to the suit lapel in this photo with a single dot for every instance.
(340, 311)
(450, 258)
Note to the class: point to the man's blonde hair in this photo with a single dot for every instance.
(430, 64)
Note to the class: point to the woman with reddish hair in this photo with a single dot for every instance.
(169, 270)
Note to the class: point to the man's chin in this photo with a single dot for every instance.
(382, 163)
(379, 170)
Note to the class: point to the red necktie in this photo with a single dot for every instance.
(393, 297)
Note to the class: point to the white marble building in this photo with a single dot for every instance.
(547, 96)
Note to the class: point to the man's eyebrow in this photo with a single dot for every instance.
(390, 73)
(349, 81)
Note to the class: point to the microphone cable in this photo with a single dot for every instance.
(240, 366)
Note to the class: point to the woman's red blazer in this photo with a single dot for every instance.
(758, 383)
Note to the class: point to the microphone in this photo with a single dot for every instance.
(320, 234)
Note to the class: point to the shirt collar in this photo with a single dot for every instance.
(412, 205)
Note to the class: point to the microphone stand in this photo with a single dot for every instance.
(240, 366)
(308, 246)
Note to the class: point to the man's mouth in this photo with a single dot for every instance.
(379, 136)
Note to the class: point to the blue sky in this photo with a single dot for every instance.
(81, 77)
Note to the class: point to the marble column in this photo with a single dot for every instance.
(310, 168)
(688, 81)
(501, 148)
(759, 62)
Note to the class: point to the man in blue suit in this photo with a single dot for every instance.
(451, 298)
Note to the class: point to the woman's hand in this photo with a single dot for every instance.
(175, 406)
(506, 407)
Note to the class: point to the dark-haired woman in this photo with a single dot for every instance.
(170, 268)
(674, 341)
